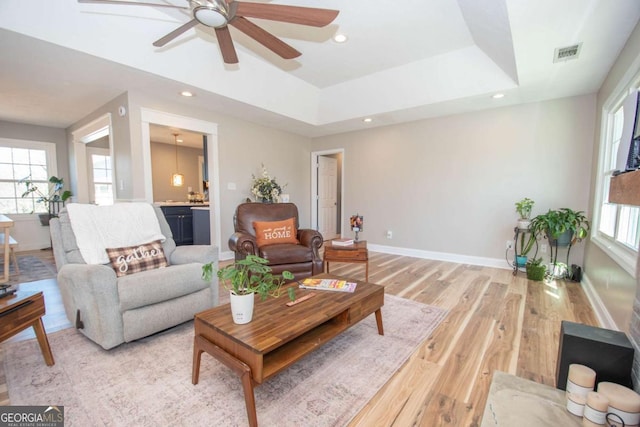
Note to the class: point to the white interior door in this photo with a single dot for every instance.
(327, 196)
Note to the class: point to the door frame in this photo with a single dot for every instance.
(90, 132)
(210, 129)
(314, 186)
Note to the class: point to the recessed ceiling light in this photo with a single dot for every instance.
(339, 38)
(498, 96)
(179, 140)
(367, 120)
(186, 93)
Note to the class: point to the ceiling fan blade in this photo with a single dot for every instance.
(266, 39)
(133, 3)
(226, 45)
(175, 33)
(293, 14)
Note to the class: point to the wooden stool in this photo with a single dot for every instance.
(12, 244)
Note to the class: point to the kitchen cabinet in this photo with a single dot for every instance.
(201, 227)
(180, 219)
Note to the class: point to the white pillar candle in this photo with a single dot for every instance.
(575, 404)
(595, 410)
(623, 402)
(581, 379)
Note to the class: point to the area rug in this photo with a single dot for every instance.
(148, 382)
(31, 270)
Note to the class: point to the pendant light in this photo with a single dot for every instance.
(177, 179)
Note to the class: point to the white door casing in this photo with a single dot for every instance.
(327, 196)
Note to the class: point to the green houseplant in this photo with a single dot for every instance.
(523, 208)
(247, 277)
(51, 198)
(562, 227)
(535, 269)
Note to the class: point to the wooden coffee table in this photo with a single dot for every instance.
(20, 311)
(352, 253)
(280, 335)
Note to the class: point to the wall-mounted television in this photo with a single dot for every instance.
(628, 158)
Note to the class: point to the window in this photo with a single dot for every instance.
(102, 182)
(617, 225)
(21, 159)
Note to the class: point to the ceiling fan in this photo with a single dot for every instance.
(218, 14)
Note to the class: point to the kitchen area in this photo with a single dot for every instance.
(180, 183)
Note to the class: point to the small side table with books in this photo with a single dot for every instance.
(356, 252)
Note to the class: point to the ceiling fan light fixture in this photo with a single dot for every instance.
(210, 13)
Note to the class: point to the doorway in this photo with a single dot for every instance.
(327, 196)
(96, 134)
(208, 129)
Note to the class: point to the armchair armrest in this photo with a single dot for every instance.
(310, 238)
(243, 244)
(194, 253)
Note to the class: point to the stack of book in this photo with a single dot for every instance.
(342, 242)
(328, 285)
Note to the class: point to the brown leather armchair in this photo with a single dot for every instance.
(303, 259)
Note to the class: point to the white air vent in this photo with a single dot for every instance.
(567, 53)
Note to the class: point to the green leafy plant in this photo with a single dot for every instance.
(557, 222)
(523, 208)
(55, 192)
(250, 275)
(535, 269)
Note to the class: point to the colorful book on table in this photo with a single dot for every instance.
(328, 285)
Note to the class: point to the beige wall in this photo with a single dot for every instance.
(613, 285)
(449, 184)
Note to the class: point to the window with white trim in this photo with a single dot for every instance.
(617, 226)
(101, 190)
(20, 159)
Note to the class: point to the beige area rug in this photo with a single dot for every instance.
(148, 382)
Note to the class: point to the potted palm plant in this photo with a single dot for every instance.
(245, 278)
(54, 196)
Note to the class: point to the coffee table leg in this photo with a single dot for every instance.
(239, 367)
(43, 341)
(379, 321)
(197, 355)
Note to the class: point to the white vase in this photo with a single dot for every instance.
(241, 307)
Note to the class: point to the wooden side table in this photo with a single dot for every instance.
(5, 225)
(20, 311)
(353, 253)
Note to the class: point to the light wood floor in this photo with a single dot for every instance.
(495, 322)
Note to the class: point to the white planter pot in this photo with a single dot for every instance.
(523, 224)
(241, 308)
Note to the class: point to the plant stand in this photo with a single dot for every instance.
(553, 256)
(519, 235)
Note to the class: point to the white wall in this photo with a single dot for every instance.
(449, 185)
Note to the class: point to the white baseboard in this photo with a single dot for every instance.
(605, 319)
(442, 256)
(226, 255)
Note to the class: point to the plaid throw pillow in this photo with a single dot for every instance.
(134, 259)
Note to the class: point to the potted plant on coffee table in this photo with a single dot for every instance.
(51, 198)
(245, 278)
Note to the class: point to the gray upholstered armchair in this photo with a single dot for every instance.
(111, 310)
(301, 259)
